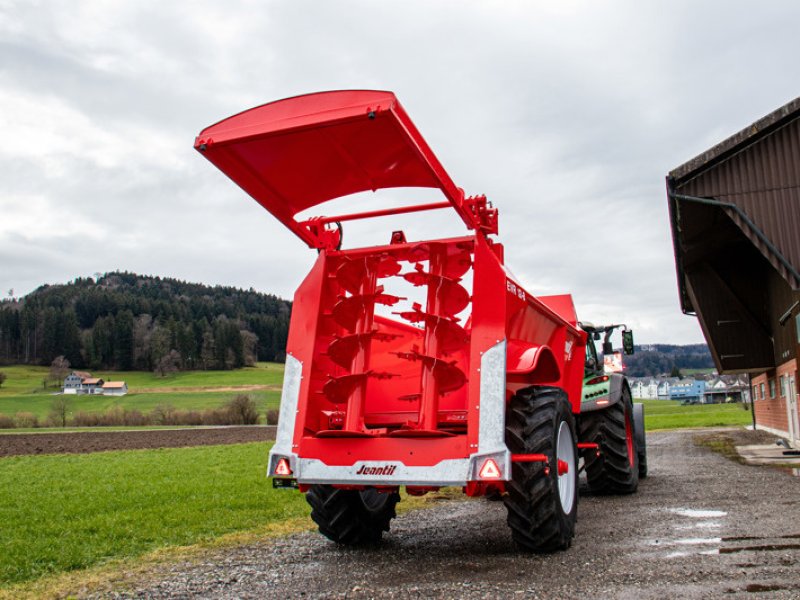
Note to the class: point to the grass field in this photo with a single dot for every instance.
(198, 390)
(40, 404)
(669, 414)
(66, 512)
(190, 390)
(25, 379)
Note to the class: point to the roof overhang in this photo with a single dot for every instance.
(728, 236)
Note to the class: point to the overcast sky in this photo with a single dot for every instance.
(567, 115)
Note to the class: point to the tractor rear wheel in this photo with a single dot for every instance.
(352, 517)
(542, 498)
(641, 440)
(616, 469)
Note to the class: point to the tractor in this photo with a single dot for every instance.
(478, 384)
(609, 417)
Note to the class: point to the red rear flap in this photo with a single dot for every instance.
(296, 153)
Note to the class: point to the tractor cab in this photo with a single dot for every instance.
(605, 359)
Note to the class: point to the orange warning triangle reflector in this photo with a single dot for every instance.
(489, 470)
(282, 468)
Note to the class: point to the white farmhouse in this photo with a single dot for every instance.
(74, 381)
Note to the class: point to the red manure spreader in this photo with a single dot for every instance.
(478, 388)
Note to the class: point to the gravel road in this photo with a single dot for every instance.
(701, 526)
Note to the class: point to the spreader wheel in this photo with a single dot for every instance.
(352, 517)
(616, 469)
(641, 441)
(542, 498)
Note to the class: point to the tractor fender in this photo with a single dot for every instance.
(638, 425)
(617, 382)
(531, 363)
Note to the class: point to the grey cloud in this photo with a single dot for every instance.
(568, 116)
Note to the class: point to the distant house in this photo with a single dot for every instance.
(728, 388)
(644, 388)
(688, 390)
(665, 386)
(637, 386)
(81, 382)
(115, 388)
(650, 390)
(91, 385)
(73, 381)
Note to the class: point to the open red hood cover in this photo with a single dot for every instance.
(296, 153)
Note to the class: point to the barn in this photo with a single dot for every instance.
(735, 219)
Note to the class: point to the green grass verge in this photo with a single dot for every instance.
(721, 444)
(60, 513)
(669, 414)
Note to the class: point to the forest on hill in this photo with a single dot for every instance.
(126, 321)
(658, 359)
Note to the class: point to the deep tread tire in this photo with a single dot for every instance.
(641, 439)
(351, 517)
(642, 464)
(614, 471)
(536, 517)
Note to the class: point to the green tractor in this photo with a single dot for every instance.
(609, 418)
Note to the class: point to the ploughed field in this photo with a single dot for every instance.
(82, 442)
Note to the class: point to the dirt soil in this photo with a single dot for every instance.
(97, 441)
(701, 526)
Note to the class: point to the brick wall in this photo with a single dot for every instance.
(771, 412)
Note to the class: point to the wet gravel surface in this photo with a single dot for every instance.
(701, 526)
(81, 442)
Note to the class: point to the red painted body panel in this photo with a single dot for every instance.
(351, 140)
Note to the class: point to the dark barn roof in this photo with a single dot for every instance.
(735, 218)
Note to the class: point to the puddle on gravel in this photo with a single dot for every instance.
(764, 548)
(681, 553)
(700, 521)
(690, 546)
(695, 513)
(698, 525)
(750, 538)
(698, 541)
(755, 588)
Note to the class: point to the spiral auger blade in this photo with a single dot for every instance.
(455, 261)
(448, 376)
(339, 389)
(343, 349)
(353, 272)
(452, 297)
(355, 313)
(450, 334)
(349, 309)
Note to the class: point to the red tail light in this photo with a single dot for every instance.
(489, 470)
(282, 469)
(596, 380)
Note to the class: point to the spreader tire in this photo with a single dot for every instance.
(641, 440)
(542, 505)
(351, 517)
(616, 469)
